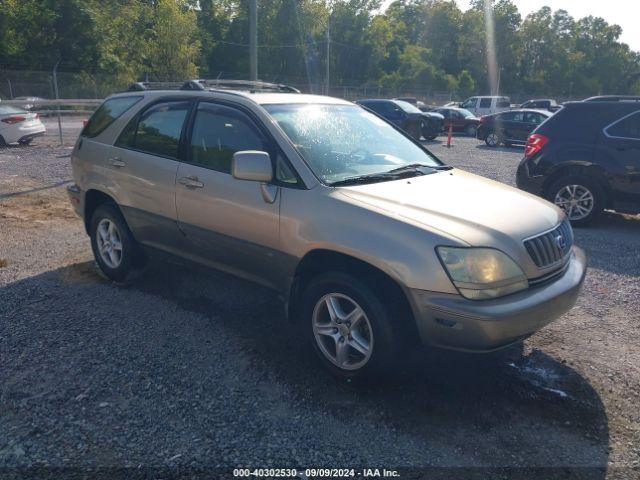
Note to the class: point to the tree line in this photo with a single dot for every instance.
(420, 45)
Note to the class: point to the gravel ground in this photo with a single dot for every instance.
(194, 369)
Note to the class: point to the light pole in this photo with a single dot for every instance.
(253, 39)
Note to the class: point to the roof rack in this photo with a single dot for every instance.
(613, 98)
(141, 86)
(216, 84)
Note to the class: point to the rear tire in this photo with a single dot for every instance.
(117, 253)
(580, 196)
(350, 345)
(2, 142)
(492, 139)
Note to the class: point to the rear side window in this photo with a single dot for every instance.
(107, 113)
(627, 127)
(503, 103)
(218, 133)
(485, 103)
(157, 131)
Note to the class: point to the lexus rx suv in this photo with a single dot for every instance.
(371, 241)
(586, 158)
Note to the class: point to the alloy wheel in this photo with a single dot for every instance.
(109, 243)
(576, 200)
(492, 139)
(342, 331)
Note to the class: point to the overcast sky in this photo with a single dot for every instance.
(625, 13)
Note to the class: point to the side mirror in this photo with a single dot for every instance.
(252, 165)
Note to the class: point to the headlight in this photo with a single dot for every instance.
(482, 273)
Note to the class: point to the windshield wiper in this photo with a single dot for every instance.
(369, 178)
(416, 166)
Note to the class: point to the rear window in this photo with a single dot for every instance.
(108, 112)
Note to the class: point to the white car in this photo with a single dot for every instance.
(19, 126)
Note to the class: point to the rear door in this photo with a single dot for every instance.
(143, 164)
(622, 141)
(229, 223)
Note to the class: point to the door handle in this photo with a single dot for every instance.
(190, 182)
(116, 162)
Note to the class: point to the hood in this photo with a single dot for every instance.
(475, 210)
(433, 115)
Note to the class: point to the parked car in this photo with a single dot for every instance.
(586, 158)
(480, 106)
(372, 242)
(406, 116)
(19, 126)
(542, 104)
(461, 120)
(512, 127)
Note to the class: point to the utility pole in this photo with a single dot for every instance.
(328, 60)
(253, 38)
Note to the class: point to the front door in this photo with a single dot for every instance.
(231, 224)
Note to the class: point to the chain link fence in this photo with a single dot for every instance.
(79, 93)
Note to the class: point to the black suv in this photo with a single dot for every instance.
(585, 158)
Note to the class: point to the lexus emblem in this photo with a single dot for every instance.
(561, 242)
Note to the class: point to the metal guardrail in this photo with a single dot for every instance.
(62, 102)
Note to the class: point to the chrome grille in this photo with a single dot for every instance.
(551, 247)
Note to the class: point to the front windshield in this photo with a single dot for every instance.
(407, 107)
(345, 141)
(465, 113)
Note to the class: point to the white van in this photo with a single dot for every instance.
(480, 106)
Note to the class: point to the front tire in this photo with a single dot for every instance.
(581, 198)
(115, 250)
(349, 326)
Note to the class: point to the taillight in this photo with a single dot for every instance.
(37, 116)
(535, 143)
(15, 119)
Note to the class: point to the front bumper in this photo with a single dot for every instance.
(451, 321)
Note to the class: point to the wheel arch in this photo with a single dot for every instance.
(93, 198)
(319, 261)
(589, 170)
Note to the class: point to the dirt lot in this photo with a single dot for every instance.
(198, 370)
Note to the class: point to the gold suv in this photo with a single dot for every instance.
(371, 241)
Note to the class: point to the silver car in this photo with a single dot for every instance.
(369, 239)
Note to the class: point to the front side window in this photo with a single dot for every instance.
(469, 103)
(628, 127)
(108, 113)
(218, 133)
(340, 142)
